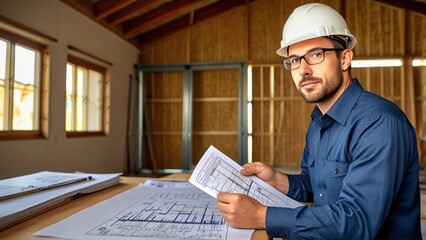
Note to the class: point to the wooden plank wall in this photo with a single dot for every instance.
(215, 112)
(280, 116)
(252, 33)
(164, 94)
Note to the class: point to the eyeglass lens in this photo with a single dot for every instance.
(313, 57)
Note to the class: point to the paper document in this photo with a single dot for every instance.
(156, 210)
(166, 184)
(216, 172)
(27, 184)
(14, 209)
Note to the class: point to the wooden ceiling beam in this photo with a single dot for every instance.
(159, 18)
(409, 5)
(130, 11)
(151, 19)
(84, 7)
(188, 20)
(164, 30)
(217, 8)
(104, 8)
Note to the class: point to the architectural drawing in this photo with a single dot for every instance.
(216, 172)
(155, 211)
(167, 215)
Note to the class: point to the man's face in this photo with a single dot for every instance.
(317, 83)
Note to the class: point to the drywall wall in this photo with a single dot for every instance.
(101, 154)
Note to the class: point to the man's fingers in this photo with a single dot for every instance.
(228, 202)
(224, 197)
(251, 168)
(222, 207)
(223, 202)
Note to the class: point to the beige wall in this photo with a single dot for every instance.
(58, 153)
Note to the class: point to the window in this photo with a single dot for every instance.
(85, 109)
(21, 87)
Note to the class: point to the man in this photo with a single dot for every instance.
(360, 161)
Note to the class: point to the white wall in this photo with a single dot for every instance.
(58, 153)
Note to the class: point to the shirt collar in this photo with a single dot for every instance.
(344, 104)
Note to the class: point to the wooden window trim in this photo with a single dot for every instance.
(75, 134)
(105, 71)
(21, 135)
(86, 64)
(78, 51)
(24, 31)
(43, 49)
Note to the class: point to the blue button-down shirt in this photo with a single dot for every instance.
(360, 168)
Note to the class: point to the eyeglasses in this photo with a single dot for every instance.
(313, 57)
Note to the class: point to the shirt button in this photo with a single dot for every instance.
(320, 194)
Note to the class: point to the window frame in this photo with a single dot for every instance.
(42, 92)
(78, 61)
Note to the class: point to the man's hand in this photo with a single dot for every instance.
(268, 174)
(241, 211)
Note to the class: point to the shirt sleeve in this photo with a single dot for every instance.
(380, 154)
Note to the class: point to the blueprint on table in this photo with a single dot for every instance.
(216, 172)
(150, 211)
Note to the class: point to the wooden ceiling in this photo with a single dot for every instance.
(418, 6)
(145, 21)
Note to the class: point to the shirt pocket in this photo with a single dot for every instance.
(336, 169)
(333, 176)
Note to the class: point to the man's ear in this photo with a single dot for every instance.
(346, 59)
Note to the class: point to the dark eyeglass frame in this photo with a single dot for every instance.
(287, 62)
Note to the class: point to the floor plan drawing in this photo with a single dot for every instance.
(157, 210)
(216, 172)
(169, 216)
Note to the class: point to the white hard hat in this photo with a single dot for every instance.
(314, 20)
